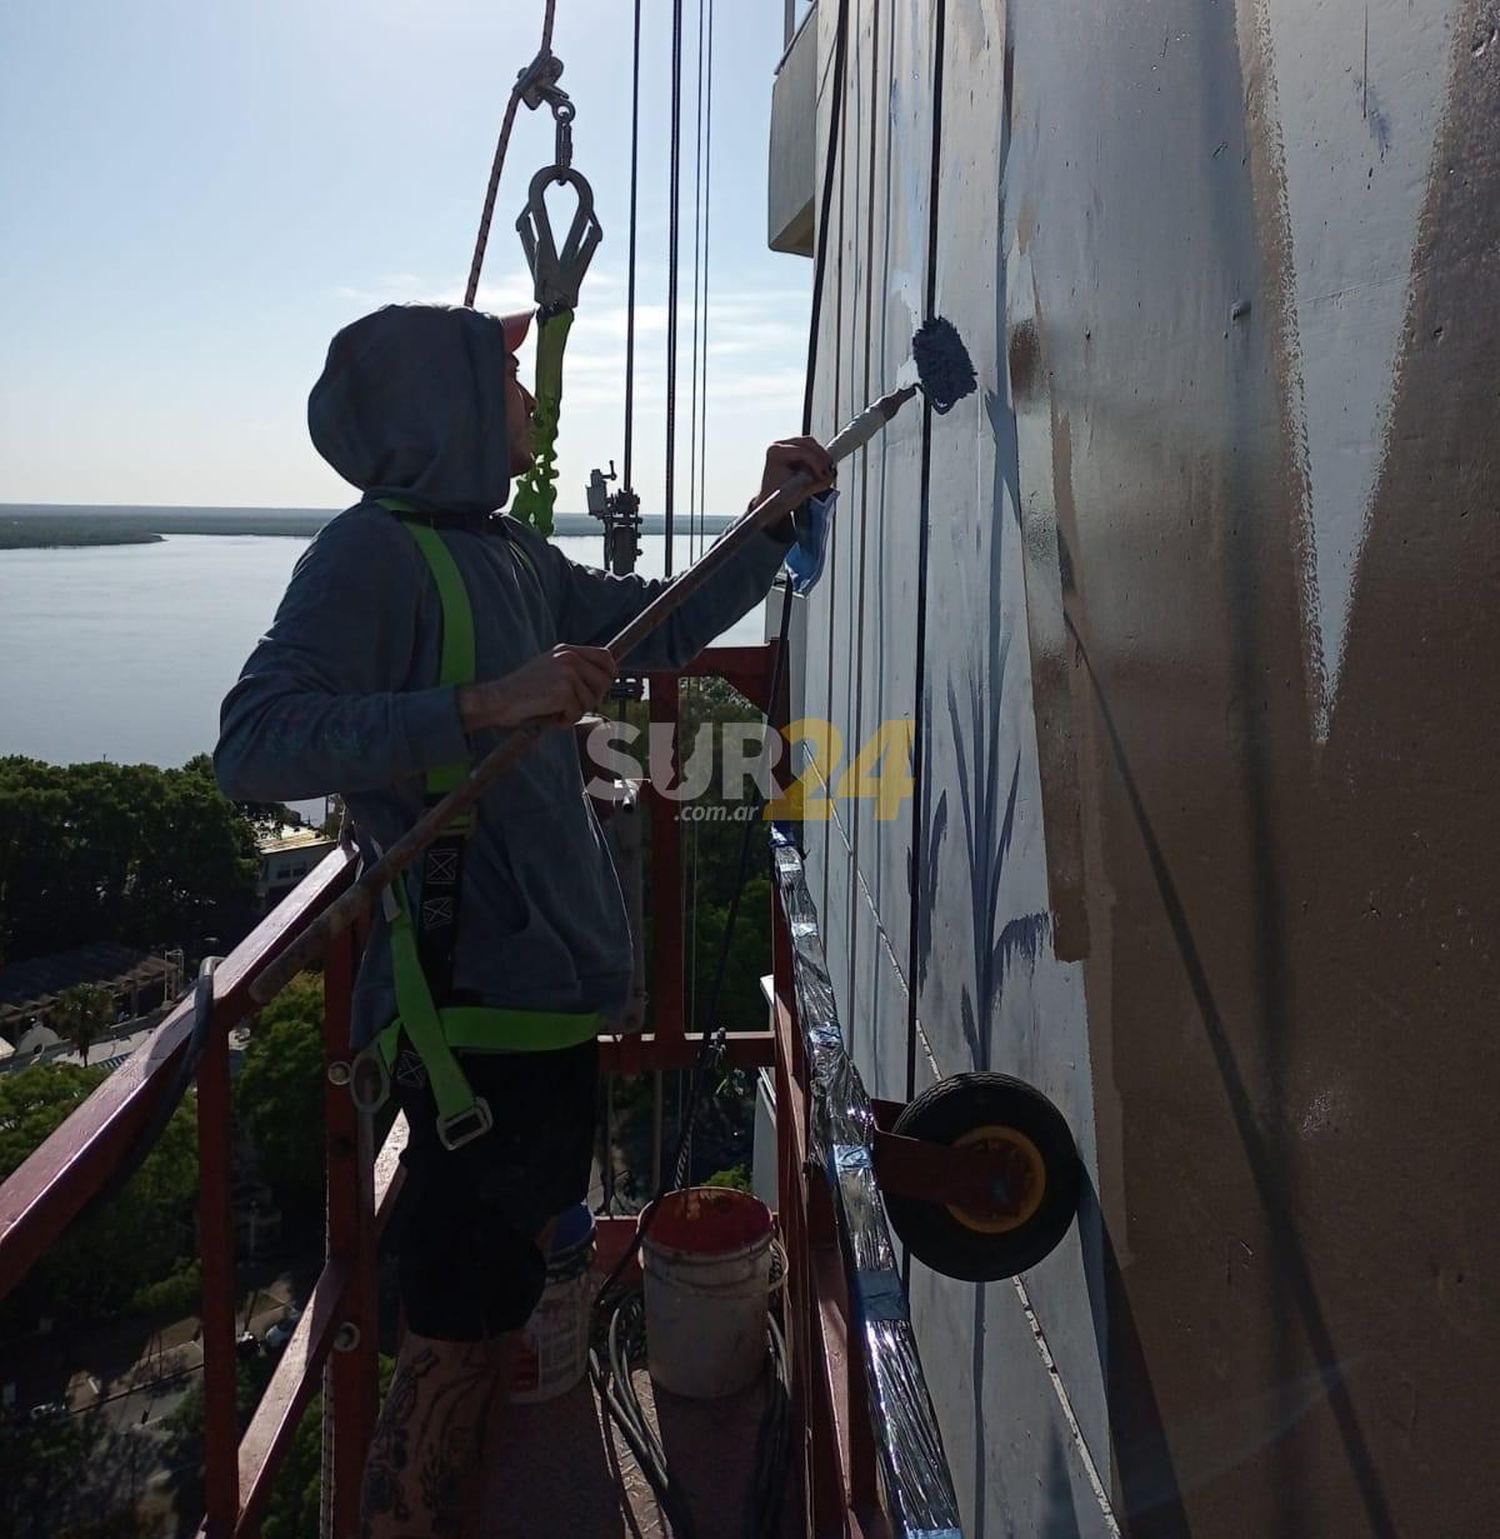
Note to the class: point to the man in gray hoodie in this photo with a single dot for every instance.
(421, 408)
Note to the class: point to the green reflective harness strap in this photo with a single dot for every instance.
(457, 658)
(461, 1115)
(536, 491)
(476, 1028)
(436, 1035)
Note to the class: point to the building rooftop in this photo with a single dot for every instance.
(292, 836)
(26, 987)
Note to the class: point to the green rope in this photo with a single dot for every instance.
(536, 492)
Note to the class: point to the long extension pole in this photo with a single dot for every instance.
(360, 897)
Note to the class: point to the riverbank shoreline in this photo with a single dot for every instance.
(42, 526)
(35, 526)
(18, 536)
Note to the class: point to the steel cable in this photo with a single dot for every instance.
(708, 165)
(635, 147)
(709, 1051)
(774, 1441)
(698, 428)
(674, 209)
(825, 208)
(918, 850)
(627, 459)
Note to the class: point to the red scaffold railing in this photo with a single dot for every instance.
(337, 1330)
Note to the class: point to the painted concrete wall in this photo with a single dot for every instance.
(1192, 613)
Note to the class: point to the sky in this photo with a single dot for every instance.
(194, 197)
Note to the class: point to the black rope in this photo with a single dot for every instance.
(681, 1165)
(608, 1162)
(708, 182)
(618, 1350)
(825, 209)
(837, 160)
(708, 1052)
(857, 619)
(751, 824)
(710, 1049)
(698, 410)
(694, 509)
(507, 123)
(635, 147)
(612, 1361)
(610, 1369)
(674, 201)
(924, 530)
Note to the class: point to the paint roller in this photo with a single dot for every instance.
(943, 374)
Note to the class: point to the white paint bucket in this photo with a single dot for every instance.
(552, 1352)
(707, 1264)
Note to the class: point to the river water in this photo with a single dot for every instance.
(124, 652)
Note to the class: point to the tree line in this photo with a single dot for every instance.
(130, 853)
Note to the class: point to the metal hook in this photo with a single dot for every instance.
(537, 83)
(556, 275)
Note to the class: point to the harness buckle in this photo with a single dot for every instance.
(465, 1126)
(558, 275)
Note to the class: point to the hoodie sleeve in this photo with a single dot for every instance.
(319, 706)
(596, 605)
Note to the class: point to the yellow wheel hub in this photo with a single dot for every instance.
(1022, 1181)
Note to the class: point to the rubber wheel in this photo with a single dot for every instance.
(1001, 1113)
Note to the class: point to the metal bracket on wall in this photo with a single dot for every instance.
(933, 1172)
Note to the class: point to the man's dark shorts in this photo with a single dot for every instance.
(465, 1224)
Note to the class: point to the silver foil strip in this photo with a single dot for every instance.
(917, 1483)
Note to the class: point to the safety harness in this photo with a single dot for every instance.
(422, 946)
(436, 1024)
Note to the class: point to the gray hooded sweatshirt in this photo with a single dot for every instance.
(340, 694)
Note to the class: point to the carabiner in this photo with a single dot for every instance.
(557, 276)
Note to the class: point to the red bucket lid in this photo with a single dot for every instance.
(708, 1220)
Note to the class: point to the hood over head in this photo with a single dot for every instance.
(411, 404)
